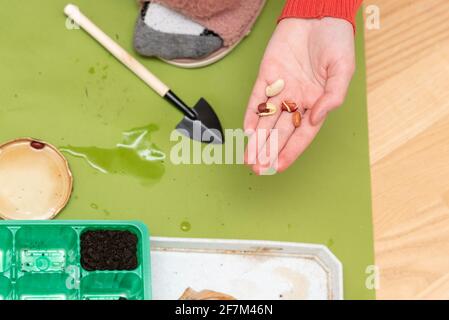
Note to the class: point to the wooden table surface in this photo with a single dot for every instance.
(408, 99)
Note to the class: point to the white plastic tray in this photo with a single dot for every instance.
(246, 270)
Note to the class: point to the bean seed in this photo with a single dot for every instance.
(37, 145)
(297, 119)
(270, 110)
(275, 88)
(289, 106)
(262, 108)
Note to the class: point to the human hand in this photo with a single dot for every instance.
(316, 59)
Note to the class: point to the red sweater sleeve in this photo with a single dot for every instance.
(343, 9)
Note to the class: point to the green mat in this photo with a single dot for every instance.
(59, 85)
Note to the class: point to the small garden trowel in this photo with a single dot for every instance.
(200, 122)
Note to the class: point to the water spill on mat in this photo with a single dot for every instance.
(136, 155)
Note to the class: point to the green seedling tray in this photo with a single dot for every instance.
(40, 260)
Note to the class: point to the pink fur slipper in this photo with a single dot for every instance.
(232, 20)
(201, 9)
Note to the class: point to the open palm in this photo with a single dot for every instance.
(316, 60)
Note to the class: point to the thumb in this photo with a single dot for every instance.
(334, 93)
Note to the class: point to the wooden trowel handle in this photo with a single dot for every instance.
(150, 79)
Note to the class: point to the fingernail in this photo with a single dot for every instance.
(270, 171)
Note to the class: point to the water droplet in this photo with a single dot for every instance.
(94, 206)
(186, 226)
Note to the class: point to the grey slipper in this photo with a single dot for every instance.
(166, 34)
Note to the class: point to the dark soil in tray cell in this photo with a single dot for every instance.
(108, 250)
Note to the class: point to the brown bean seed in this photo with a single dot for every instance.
(297, 119)
(37, 145)
(270, 110)
(289, 106)
(262, 108)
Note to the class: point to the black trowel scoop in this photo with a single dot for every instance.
(200, 122)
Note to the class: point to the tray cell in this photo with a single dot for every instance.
(42, 286)
(111, 286)
(46, 249)
(6, 248)
(5, 288)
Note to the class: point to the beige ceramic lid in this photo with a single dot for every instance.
(35, 180)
